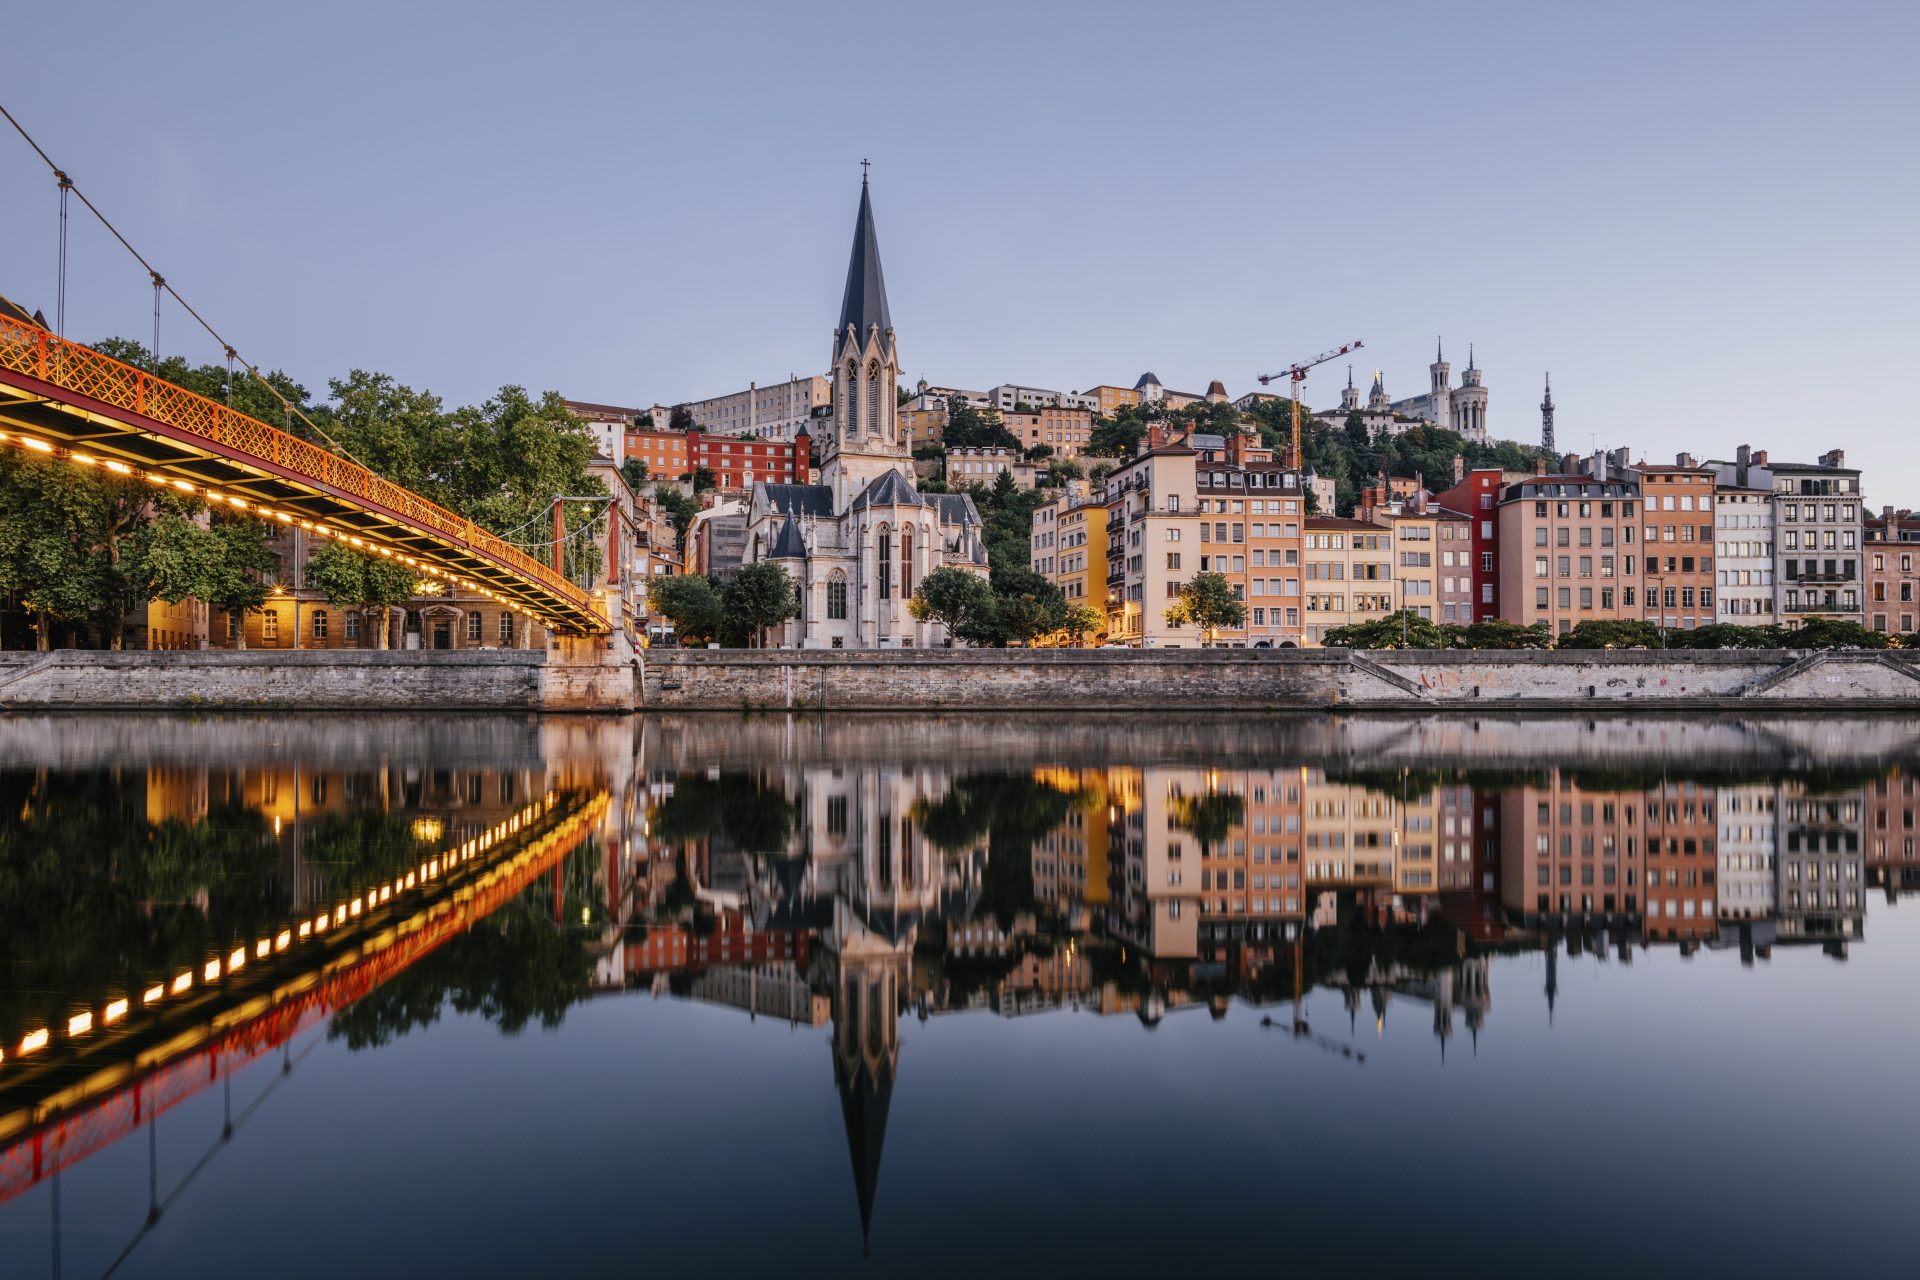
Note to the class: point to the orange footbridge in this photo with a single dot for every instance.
(70, 402)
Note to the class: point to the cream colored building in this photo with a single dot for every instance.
(1348, 574)
(774, 411)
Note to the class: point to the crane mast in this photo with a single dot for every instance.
(1297, 374)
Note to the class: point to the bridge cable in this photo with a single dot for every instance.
(66, 185)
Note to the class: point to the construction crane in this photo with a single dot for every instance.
(1296, 375)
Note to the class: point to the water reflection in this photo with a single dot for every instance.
(180, 900)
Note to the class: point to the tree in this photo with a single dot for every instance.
(1209, 819)
(761, 595)
(173, 557)
(1611, 633)
(704, 478)
(1725, 635)
(1498, 634)
(1025, 607)
(634, 472)
(352, 579)
(680, 419)
(1402, 630)
(1080, 622)
(952, 597)
(61, 533)
(1208, 603)
(971, 428)
(689, 602)
(1834, 633)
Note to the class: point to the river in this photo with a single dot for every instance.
(945, 995)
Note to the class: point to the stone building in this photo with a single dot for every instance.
(1461, 409)
(860, 541)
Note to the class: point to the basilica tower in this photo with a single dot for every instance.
(1470, 403)
(865, 441)
(1442, 391)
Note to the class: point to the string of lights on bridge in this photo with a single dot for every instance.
(308, 928)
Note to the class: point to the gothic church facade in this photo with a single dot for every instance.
(858, 543)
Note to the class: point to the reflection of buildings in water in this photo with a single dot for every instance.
(1569, 854)
(779, 991)
(1681, 829)
(1460, 989)
(1821, 891)
(1891, 864)
(1746, 861)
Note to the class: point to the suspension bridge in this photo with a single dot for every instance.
(70, 403)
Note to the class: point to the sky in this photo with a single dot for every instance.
(1699, 217)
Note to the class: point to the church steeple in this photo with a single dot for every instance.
(864, 305)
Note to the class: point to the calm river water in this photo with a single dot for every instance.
(940, 995)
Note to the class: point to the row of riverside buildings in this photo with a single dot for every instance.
(1750, 541)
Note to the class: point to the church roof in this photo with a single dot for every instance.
(979, 552)
(1216, 388)
(799, 499)
(890, 489)
(1146, 379)
(9, 310)
(787, 544)
(864, 1103)
(865, 302)
(954, 508)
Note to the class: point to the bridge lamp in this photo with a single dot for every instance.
(34, 1042)
(79, 1024)
(116, 1010)
(182, 982)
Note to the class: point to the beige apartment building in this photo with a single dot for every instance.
(1348, 577)
(983, 467)
(1174, 511)
(1569, 550)
(1065, 430)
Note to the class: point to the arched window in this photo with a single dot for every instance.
(837, 596)
(906, 561)
(885, 565)
(849, 398)
(873, 400)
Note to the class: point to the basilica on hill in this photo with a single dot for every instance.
(858, 543)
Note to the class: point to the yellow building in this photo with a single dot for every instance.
(1348, 567)
(1110, 399)
(1070, 546)
(921, 427)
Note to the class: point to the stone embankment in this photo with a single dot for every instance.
(592, 676)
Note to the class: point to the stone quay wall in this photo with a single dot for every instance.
(594, 676)
(589, 679)
(1277, 679)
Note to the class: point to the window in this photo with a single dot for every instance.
(885, 566)
(319, 628)
(270, 625)
(506, 629)
(353, 626)
(837, 596)
(473, 627)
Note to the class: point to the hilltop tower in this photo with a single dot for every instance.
(1469, 403)
(1546, 417)
(1441, 383)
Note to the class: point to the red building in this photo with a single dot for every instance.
(1477, 496)
(737, 461)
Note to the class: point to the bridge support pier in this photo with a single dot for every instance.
(590, 673)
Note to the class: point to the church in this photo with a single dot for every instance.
(858, 543)
(1462, 409)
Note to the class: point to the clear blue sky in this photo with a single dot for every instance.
(1700, 217)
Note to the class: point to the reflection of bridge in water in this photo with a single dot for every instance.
(69, 1091)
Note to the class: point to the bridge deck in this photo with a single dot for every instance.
(70, 402)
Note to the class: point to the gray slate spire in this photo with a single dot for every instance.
(865, 301)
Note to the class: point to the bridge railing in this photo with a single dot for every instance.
(28, 349)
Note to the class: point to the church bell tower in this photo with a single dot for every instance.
(865, 441)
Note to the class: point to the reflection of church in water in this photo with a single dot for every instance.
(866, 881)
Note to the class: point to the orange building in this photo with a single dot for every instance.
(1568, 548)
(1676, 544)
(737, 462)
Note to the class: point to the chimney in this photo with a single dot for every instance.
(1742, 459)
(1834, 458)
(1237, 449)
(1759, 457)
(1684, 460)
(1156, 435)
(1601, 460)
(1618, 458)
(1459, 468)
(1570, 464)
(1539, 466)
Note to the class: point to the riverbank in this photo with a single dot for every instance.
(590, 676)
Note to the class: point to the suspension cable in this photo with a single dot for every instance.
(66, 184)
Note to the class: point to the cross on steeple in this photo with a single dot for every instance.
(863, 171)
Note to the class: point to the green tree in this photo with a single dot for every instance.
(62, 531)
(761, 595)
(1210, 818)
(1499, 634)
(1834, 633)
(1081, 622)
(680, 418)
(634, 472)
(1725, 635)
(705, 478)
(1025, 607)
(971, 428)
(1207, 602)
(1611, 633)
(951, 597)
(690, 602)
(1404, 629)
(352, 579)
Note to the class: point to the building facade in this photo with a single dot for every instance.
(1892, 582)
(774, 411)
(1569, 548)
(1070, 546)
(1677, 544)
(1347, 574)
(736, 463)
